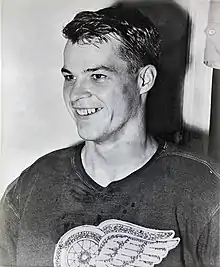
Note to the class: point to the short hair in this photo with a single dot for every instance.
(140, 40)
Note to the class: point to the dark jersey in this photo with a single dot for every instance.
(164, 214)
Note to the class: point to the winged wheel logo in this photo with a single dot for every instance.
(113, 243)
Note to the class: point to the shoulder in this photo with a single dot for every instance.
(58, 160)
(195, 178)
(191, 162)
(52, 163)
(58, 157)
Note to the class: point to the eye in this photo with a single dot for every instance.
(69, 77)
(98, 77)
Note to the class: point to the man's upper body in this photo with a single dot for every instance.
(122, 198)
(166, 213)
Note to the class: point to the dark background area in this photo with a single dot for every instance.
(164, 103)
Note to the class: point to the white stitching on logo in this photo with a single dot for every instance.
(113, 243)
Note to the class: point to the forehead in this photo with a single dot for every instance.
(83, 56)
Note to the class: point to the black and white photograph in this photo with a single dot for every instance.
(110, 133)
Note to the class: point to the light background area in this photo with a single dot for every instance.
(34, 117)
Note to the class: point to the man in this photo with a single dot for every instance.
(121, 198)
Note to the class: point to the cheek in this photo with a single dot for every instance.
(66, 97)
(66, 91)
(130, 95)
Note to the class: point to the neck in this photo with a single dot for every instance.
(120, 151)
(120, 155)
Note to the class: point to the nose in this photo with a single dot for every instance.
(79, 91)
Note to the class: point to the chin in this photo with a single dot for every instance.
(89, 135)
(93, 135)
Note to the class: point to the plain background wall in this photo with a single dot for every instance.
(34, 118)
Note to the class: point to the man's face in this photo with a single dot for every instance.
(98, 91)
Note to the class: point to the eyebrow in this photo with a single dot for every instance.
(102, 67)
(65, 70)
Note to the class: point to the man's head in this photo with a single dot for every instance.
(140, 40)
(109, 66)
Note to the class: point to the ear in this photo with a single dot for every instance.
(146, 78)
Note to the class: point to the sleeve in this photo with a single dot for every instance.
(9, 221)
(212, 49)
(208, 244)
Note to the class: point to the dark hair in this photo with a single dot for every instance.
(140, 40)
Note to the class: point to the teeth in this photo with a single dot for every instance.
(85, 112)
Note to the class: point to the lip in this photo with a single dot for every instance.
(77, 106)
(74, 106)
(88, 115)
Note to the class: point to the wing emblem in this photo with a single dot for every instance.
(114, 243)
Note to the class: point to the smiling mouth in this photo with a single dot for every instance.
(87, 112)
